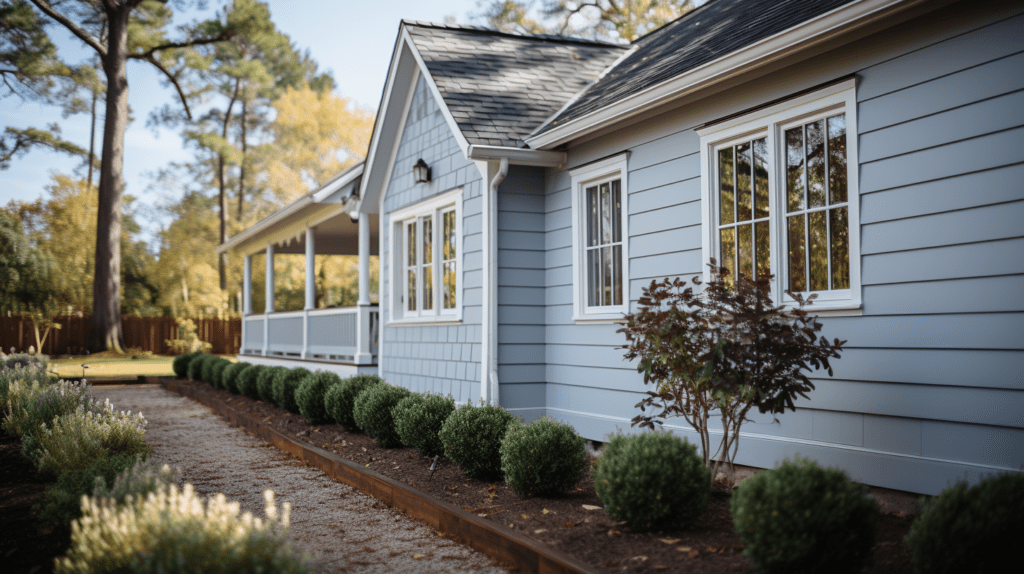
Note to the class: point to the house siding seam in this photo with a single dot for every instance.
(930, 387)
(440, 359)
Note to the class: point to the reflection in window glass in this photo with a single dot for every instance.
(795, 169)
(603, 250)
(725, 186)
(448, 258)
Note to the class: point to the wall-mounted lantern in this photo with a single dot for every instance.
(421, 171)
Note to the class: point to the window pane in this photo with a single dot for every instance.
(743, 184)
(593, 277)
(837, 159)
(760, 178)
(592, 222)
(762, 249)
(725, 197)
(816, 235)
(616, 211)
(449, 236)
(797, 278)
(617, 274)
(795, 169)
(449, 285)
(428, 240)
(745, 247)
(428, 286)
(411, 236)
(840, 231)
(606, 276)
(411, 290)
(728, 259)
(606, 215)
(816, 163)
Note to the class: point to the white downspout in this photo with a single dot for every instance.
(489, 355)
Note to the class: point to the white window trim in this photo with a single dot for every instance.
(396, 249)
(771, 121)
(611, 168)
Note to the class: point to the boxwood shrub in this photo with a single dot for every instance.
(180, 364)
(246, 381)
(218, 369)
(228, 374)
(472, 438)
(341, 400)
(207, 368)
(543, 458)
(195, 366)
(972, 529)
(310, 396)
(286, 382)
(372, 413)
(418, 419)
(652, 480)
(801, 517)
(233, 376)
(265, 383)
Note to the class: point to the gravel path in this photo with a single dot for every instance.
(345, 530)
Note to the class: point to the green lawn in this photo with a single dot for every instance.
(112, 366)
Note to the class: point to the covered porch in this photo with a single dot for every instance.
(326, 222)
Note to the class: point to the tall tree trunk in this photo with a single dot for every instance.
(241, 173)
(106, 293)
(222, 268)
(92, 137)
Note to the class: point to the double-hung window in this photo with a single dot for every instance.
(600, 240)
(426, 274)
(779, 193)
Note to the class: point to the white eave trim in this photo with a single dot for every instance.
(460, 138)
(344, 178)
(516, 156)
(786, 43)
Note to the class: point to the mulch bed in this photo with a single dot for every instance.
(710, 545)
(24, 545)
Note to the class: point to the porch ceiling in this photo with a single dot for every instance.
(338, 235)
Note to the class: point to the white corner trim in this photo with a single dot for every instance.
(378, 124)
(452, 124)
(806, 35)
(399, 133)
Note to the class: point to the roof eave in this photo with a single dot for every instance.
(804, 36)
(516, 156)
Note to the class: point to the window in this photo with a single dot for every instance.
(425, 276)
(600, 240)
(779, 192)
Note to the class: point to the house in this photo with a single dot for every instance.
(870, 151)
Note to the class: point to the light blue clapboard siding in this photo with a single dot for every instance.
(939, 350)
(434, 359)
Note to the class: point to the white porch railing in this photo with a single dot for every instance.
(345, 334)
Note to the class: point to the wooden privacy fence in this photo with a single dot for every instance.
(146, 333)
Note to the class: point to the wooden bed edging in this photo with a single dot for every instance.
(497, 542)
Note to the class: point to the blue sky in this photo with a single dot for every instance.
(352, 38)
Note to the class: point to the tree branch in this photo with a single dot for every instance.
(174, 82)
(84, 36)
(172, 45)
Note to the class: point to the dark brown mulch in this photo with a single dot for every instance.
(710, 545)
(24, 545)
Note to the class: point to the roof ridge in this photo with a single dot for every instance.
(520, 35)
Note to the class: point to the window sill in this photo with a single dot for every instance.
(425, 322)
(837, 310)
(602, 319)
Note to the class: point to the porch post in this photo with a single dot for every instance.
(247, 287)
(268, 308)
(310, 269)
(363, 354)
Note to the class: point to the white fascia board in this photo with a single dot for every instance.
(399, 132)
(378, 124)
(814, 32)
(267, 223)
(346, 177)
(452, 124)
(282, 229)
(516, 156)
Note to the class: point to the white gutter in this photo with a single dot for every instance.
(516, 156)
(799, 38)
(489, 330)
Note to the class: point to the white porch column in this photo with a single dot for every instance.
(364, 259)
(310, 269)
(247, 286)
(268, 308)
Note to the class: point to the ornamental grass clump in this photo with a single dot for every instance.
(418, 419)
(25, 375)
(62, 501)
(246, 381)
(340, 401)
(265, 383)
(29, 406)
(472, 438)
(372, 413)
(653, 481)
(76, 440)
(543, 458)
(285, 383)
(195, 366)
(175, 530)
(970, 529)
(310, 396)
(801, 517)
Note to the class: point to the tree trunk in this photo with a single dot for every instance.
(92, 137)
(222, 268)
(106, 294)
(241, 173)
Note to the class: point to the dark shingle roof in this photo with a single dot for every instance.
(500, 87)
(716, 29)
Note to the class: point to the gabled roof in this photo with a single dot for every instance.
(499, 87)
(707, 33)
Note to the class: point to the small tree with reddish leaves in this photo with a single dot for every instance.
(720, 352)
